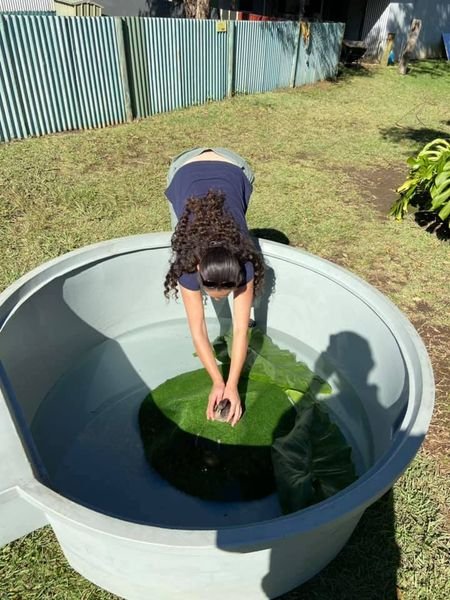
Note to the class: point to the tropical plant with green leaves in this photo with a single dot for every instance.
(428, 182)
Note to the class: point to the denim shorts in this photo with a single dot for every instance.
(182, 158)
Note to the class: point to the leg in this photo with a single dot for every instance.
(223, 314)
(176, 163)
(187, 155)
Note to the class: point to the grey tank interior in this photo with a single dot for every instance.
(80, 353)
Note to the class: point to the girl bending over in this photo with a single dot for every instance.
(212, 253)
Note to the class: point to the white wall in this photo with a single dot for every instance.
(435, 17)
(146, 8)
(395, 17)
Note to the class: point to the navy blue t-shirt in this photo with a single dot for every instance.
(197, 179)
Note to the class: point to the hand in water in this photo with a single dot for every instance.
(222, 410)
(232, 395)
(224, 404)
(215, 396)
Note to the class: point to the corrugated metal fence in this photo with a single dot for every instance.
(266, 54)
(57, 75)
(174, 63)
(27, 6)
(319, 51)
(63, 73)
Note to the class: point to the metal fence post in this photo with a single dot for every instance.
(123, 67)
(295, 58)
(231, 58)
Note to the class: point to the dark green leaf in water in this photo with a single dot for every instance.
(313, 461)
(266, 362)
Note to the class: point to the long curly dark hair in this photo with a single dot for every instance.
(206, 225)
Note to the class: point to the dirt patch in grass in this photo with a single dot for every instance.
(377, 186)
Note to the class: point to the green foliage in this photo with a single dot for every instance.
(268, 363)
(428, 183)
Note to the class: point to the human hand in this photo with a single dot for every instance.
(231, 393)
(215, 396)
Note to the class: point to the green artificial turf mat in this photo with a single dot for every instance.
(283, 425)
(212, 459)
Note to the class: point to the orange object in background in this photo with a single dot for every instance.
(254, 17)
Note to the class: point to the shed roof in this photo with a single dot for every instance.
(77, 2)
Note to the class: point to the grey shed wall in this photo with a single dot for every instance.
(383, 17)
(142, 8)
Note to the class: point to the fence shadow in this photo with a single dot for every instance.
(347, 72)
(434, 68)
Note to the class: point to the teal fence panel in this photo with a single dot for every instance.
(134, 33)
(174, 63)
(58, 74)
(318, 54)
(64, 73)
(263, 55)
(30, 12)
(28, 6)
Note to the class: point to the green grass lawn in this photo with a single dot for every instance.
(327, 159)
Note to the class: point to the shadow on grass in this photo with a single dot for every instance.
(419, 135)
(273, 235)
(346, 72)
(367, 566)
(433, 224)
(436, 68)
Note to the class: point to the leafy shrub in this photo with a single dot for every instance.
(428, 184)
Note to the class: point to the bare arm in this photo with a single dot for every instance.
(193, 305)
(243, 298)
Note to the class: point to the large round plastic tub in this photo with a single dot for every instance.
(86, 336)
